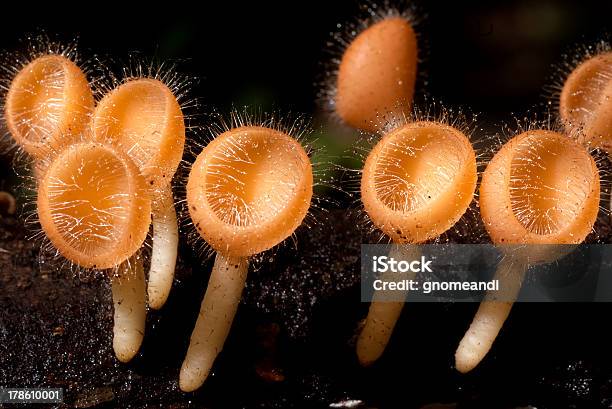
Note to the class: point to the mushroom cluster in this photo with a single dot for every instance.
(542, 187)
(104, 172)
(101, 171)
(248, 190)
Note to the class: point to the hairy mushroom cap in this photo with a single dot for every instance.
(377, 73)
(144, 118)
(540, 188)
(94, 206)
(48, 102)
(249, 189)
(586, 101)
(418, 181)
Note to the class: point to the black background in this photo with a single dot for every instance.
(491, 56)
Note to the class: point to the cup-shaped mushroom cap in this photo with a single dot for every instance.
(94, 206)
(418, 181)
(540, 188)
(377, 73)
(249, 189)
(48, 104)
(144, 118)
(586, 101)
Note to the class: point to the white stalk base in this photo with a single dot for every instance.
(214, 321)
(165, 246)
(128, 288)
(383, 315)
(490, 316)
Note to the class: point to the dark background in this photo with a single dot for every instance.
(493, 58)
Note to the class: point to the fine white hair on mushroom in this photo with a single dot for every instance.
(86, 211)
(148, 138)
(571, 60)
(42, 111)
(469, 227)
(552, 194)
(369, 14)
(299, 127)
(400, 191)
(247, 192)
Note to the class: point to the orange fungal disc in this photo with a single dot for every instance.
(377, 73)
(94, 207)
(540, 188)
(144, 119)
(586, 101)
(92, 204)
(49, 102)
(417, 183)
(248, 190)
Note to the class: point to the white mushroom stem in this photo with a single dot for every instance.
(383, 313)
(128, 287)
(165, 246)
(215, 319)
(491, 315)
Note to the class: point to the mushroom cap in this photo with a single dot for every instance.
(540, 188)
(377, 74)
(93, 205)
(249, 189)
(143, 117)
(48, 104)
(418, 181)
(585, 103)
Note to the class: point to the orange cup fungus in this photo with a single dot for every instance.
(143, 118)
(92, 204)
(417, 183)
(377, 74)
(248, 190)
(540, 188)
(49, 103)
(585, 103)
